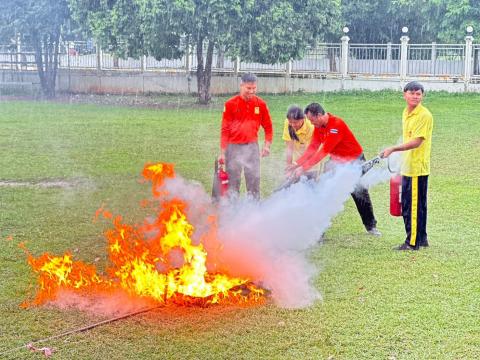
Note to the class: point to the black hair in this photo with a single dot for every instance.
(295, 113)
(292, 133)
(413, 86)
(249, 78)
(314, 109)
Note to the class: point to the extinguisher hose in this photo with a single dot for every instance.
(390, 168)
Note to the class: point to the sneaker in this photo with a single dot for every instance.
(404, 247)
(374, 232)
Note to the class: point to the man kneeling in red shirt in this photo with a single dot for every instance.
(333, 137)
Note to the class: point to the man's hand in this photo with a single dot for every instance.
(290, 168)
(266, 150)
(387, 152)
(298, 172)
(221, 158)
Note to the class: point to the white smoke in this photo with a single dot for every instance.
(269, 241)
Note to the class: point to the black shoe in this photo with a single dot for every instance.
(425, 243)
(404, 247)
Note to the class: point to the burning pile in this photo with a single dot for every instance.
(141, 258)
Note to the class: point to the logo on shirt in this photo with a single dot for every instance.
(334, 131)
(257, 110)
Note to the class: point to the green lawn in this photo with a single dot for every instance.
(377, 303)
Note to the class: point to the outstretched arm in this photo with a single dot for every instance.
(403, 147)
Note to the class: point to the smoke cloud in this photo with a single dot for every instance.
(269, 241)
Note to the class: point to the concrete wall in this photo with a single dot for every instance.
(121, 82)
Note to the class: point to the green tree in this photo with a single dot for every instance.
(40, 22)
(263, 31)
(381, 21)
(458, 15)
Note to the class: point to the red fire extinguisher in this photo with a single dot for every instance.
(396, 195)
(220, 180)
(222, 177)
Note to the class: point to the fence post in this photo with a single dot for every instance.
(344, 56)
(98, 50)
(236, 65)
(389, 57)
(403, 57)
(434, 57)
(468, 60)
(143, 63)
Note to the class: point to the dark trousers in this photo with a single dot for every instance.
(244, 157)
(362, 200)
(364, 207)
(414, 209)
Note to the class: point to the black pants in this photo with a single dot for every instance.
(364, 207)
(362, 200)
(244, 157)
(414, 209)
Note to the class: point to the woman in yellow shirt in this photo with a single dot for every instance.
(297, 133)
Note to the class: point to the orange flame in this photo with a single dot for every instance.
(143, 260)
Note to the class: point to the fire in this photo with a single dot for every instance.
(144, 260)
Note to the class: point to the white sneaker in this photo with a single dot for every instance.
(374, 232)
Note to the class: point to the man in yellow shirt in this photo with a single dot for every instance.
(417, 123)
(297, 133)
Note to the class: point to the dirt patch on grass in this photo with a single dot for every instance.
(48, 183)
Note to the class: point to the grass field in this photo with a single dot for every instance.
(377, 303)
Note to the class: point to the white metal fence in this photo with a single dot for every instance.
(456, 61)
(436, 60)
(325, 58)
(374, 59)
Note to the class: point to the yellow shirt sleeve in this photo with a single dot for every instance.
(422, 127)
(286, 134)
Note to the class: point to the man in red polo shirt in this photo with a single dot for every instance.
(333, 137)
(242, 117)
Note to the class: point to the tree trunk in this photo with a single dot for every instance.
(332, 59)
(204, 73)
(220, 57)
(46, 58)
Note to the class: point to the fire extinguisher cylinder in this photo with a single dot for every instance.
(396, 195)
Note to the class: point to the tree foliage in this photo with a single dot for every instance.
(459, 15)
(268, 31)
(263, 31)
(40, 22)
(380, 21)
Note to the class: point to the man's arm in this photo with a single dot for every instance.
(312, 148)
(225, 132)
(315, 159)
(331, 141)
(266, 123)
(412, 144)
